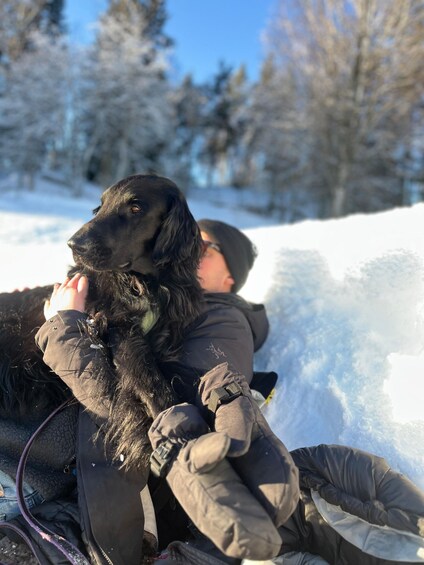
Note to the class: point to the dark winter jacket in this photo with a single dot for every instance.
(354, 509)
(111, 511)
(228, 330)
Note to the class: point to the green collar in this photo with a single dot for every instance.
(149, 320)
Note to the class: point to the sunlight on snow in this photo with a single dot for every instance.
(345, 300)
(406, 374)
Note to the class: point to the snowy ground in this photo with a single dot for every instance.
(346, 305)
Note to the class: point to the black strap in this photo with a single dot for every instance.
(162, 457)
(223, 395)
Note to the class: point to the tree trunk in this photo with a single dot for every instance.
(123, 158)
(340, 192)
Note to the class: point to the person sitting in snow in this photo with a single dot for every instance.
(339, 484)
(354, 508)
(217, 421)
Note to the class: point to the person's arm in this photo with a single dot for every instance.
(71, 352)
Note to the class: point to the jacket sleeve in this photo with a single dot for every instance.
(82, 364)
(223, 336)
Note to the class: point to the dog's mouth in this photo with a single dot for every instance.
(97, 263)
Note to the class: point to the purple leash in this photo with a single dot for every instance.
(71, 553)
(23, 535)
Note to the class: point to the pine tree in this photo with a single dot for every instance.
(126, 93)
(276, 123)
(241, 151)
(153, 13)
(33, 105)
(187, 101)
(19, 18)
(219, 127)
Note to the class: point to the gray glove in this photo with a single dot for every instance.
(207, 487)
(259, 457)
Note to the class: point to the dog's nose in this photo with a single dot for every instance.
(77, 246)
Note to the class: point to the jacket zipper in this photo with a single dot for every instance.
(105, 555)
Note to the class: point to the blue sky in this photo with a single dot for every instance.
(205, 32)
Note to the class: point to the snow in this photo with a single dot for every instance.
(345, 300)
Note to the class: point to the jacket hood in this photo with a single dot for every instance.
(254, 313)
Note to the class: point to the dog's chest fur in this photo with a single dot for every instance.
(120, 307)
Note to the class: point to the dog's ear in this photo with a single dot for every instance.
(179, 237)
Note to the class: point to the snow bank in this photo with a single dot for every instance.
(346, 304)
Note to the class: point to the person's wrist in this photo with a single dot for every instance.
(67, 316)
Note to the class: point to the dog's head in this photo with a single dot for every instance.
(143, 225)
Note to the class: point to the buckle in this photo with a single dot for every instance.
(223, 394)
(162, 457)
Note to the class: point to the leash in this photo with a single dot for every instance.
(72, 553)
(23, 535)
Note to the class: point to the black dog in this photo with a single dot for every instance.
(140, 253)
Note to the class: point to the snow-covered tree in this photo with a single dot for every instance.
(187, 101)
(220, 130)
(277, 125)
(128, 115)
(32, 105)
(359, 74)
(153, 13)
(239, 151)
(19, 18)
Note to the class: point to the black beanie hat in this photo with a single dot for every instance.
(238, 251)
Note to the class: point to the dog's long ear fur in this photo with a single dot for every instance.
(179, 236)
(176, 256)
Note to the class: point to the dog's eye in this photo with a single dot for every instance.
(96, 210)
(135, 208)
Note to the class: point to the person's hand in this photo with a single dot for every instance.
(257, 455)
(202, 479)
(70, 295)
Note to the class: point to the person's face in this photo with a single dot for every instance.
(213, 272)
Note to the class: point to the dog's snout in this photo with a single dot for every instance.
(78, 246)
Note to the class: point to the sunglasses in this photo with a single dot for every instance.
(210, 245)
